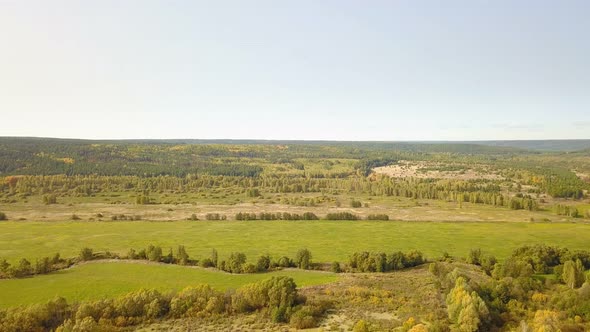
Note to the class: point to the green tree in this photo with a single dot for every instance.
(214, 257)
(181, 255)
(573, 274)
(466, 308)
(235, 262)
(154, 253)
(263, 263)
(474, 257)
(303, 259)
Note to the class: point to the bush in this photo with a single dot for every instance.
(194, 300)
(276, 293)
(474, 257)
(263, 263)
(309, 315)
(378, 217)
(336, 267)
(284, 262)
(215, 216)
(3, 216)
(380, 262)
(250, 268)
(154, 253)
(206, 262)
(356, 204)
(235, 262)
(342, 216)
(302, 320)
(86, 254)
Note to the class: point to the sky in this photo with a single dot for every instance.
(292, 70)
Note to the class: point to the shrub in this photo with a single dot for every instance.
(474, 257)
(355, 204)
(235, 262)
(378, 217)
(361, 326)
(215, 216)
(86, 254)
(342, 216)
(154, 253)
(263, 263)
(301, 319)
(206, 262)
(193, 300)
(276, 293)
(284, 262)
(3, 216)
(336, 267)
(380, 262)
(309, 315)
(249, 268)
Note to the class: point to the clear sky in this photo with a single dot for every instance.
(304, 69)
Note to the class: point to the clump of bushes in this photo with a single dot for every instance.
(380, 262)
(356, 204)
(215, 216)
(125, 217)
(276, 216)
(342, 216)
(3, 216)
(26, 268)
(275, 298)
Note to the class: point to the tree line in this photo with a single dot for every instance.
(276, 299)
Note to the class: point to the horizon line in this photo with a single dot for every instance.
(297, 140)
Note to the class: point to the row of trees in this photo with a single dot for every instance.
(567, 210)
(25, 268)
(276, 216)
(235, 263)
(275, 298)
(476, 191)
(381, 262)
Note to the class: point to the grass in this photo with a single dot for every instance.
(104, 280)
(327, 240)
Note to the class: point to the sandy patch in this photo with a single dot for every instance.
(425, 170)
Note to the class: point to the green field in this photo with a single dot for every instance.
(106, 280)
(327, 240)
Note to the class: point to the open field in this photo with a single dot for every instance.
(99, 280)
(327, 240)
(183, 206)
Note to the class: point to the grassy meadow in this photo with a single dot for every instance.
(328, 240)
(99, 280)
